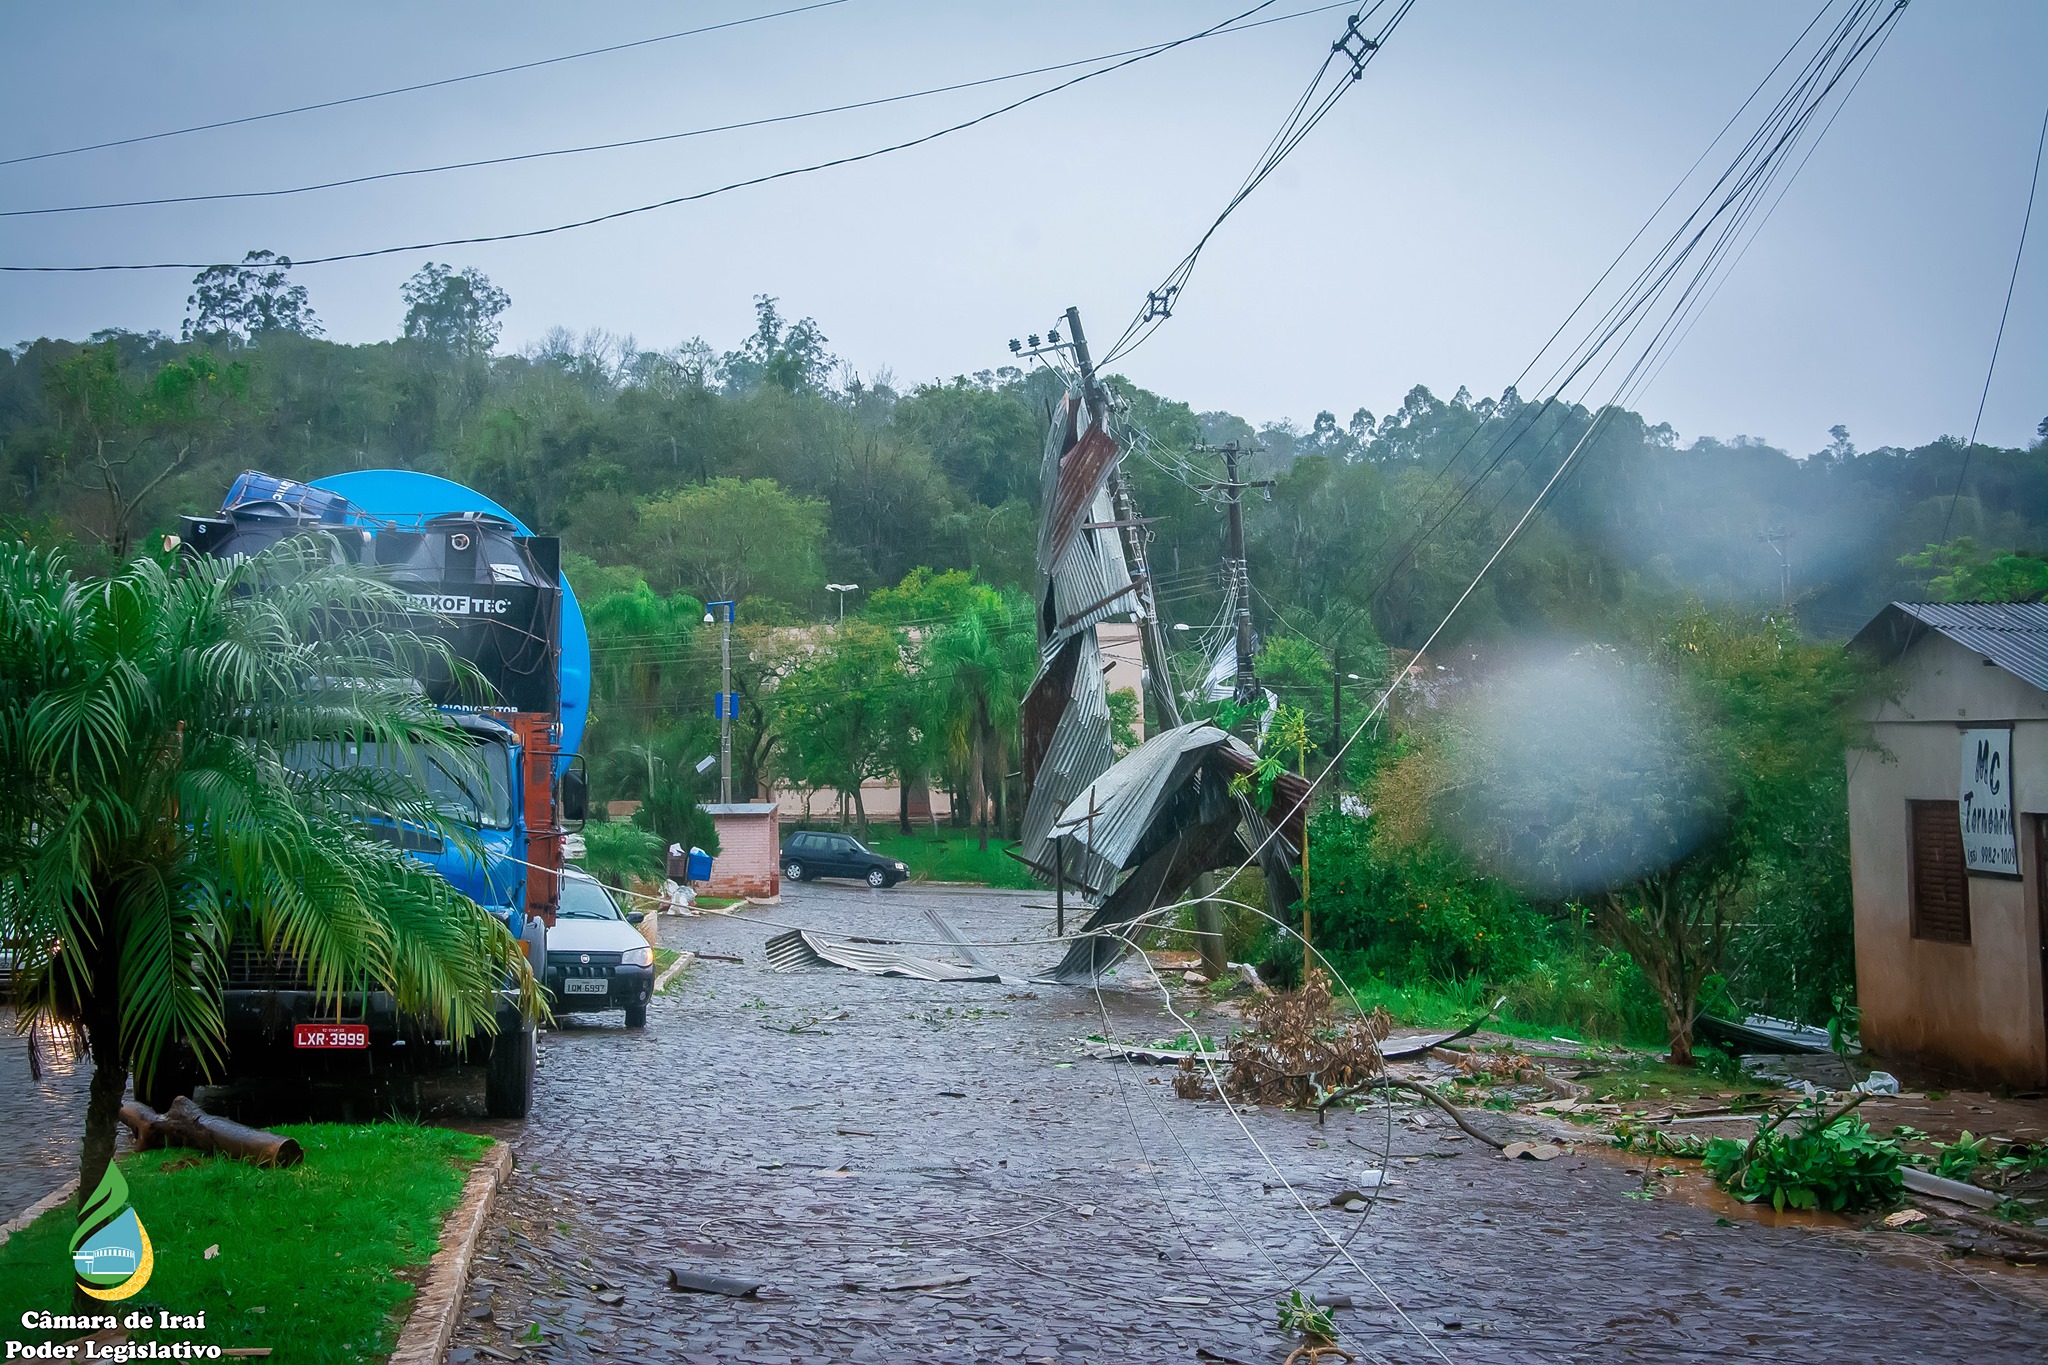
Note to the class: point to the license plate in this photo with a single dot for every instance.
(586, 985)
(331, 1035)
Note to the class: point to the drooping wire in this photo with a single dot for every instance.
(614, 215)
(1310, 109)
(2019, 251)
(652, 140)
(410, 89)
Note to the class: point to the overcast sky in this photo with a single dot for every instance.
(1434, 230)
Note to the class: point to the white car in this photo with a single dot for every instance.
(597, 960)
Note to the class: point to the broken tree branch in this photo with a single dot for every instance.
(187, 1125)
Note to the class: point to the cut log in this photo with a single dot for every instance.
(187, 1125)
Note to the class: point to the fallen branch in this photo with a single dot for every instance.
(187, 1125)
(1394, 1083)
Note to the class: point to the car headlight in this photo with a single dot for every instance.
(901, 868)
(636, 957)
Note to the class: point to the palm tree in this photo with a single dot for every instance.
(981, 666)
(150, 816)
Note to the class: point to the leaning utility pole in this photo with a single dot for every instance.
(1236, 577)
(1152, 642)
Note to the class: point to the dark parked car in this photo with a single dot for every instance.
(806, 855)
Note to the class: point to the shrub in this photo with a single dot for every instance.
(1835, 1164)
(1414, 913)
(618, 854)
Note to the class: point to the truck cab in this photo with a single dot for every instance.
(494, 594)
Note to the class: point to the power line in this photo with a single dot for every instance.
(595, 219)
(2018, 252)
(1308, 111)
(652, 140)
(409, 89)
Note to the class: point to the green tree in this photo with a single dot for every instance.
(121, 441)
(791, 356)
(837, 708)
(457, 310)
(1959, 571)
(980, 666)
(732, 539)
(152, 814)
(249, 301)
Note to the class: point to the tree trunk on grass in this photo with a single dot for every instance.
(903, 804)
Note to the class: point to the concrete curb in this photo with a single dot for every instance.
(424, 1341)
(669, 972)
(37, 1209)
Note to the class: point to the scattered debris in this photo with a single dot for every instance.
(699, 1282)
(910, 1283)
(798, 948)
(1302, 1315)
(1401, 1049)
(1155, 1056)
(1295, 1051)
(1532, 1151)
(1761, 1034)
(1905, 1218)
(1941, 1187)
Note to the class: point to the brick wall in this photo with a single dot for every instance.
(749, 854)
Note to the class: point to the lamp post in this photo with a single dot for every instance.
(725, 707)
(842, 589)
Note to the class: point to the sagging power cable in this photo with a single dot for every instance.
(614, 215)
(656, 139)
(410, 89)
(1343, 67)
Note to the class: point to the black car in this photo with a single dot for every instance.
(806, 855)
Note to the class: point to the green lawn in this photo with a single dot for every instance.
(951, 855)
(308, 1257)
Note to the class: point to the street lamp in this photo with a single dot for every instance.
(842, 589)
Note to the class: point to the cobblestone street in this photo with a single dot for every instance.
(932, 1173)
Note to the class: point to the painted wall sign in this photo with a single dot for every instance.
(1990, 838)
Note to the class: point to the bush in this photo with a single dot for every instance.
(618, 854)
(1837, 1165)
(1417, 913)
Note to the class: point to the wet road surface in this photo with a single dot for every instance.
(922, 1172)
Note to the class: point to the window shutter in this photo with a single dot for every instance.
(1941, 881)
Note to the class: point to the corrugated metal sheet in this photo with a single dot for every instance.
(799, 948)
(1125, 798)
(1082, 474)
(2013, 635)
(1091, 581)
(1077, 754)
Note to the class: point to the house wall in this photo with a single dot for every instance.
(1974, 1008)
(749, 856)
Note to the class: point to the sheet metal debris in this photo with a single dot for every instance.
(701, 1282)
(799, 948)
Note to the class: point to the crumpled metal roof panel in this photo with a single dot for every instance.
(1125, 798)
(1079, 753)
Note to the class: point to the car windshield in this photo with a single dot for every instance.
(489, 809)
(585, 899)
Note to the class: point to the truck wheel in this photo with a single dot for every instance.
(508, 1076)
(636, 1015)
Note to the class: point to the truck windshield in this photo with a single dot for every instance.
(585, 899)
(490, 808)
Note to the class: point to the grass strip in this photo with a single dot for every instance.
(319, 1261)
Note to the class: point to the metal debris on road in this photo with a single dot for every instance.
(699, 1282)
(799, 948)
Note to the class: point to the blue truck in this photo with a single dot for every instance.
(479, 580)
